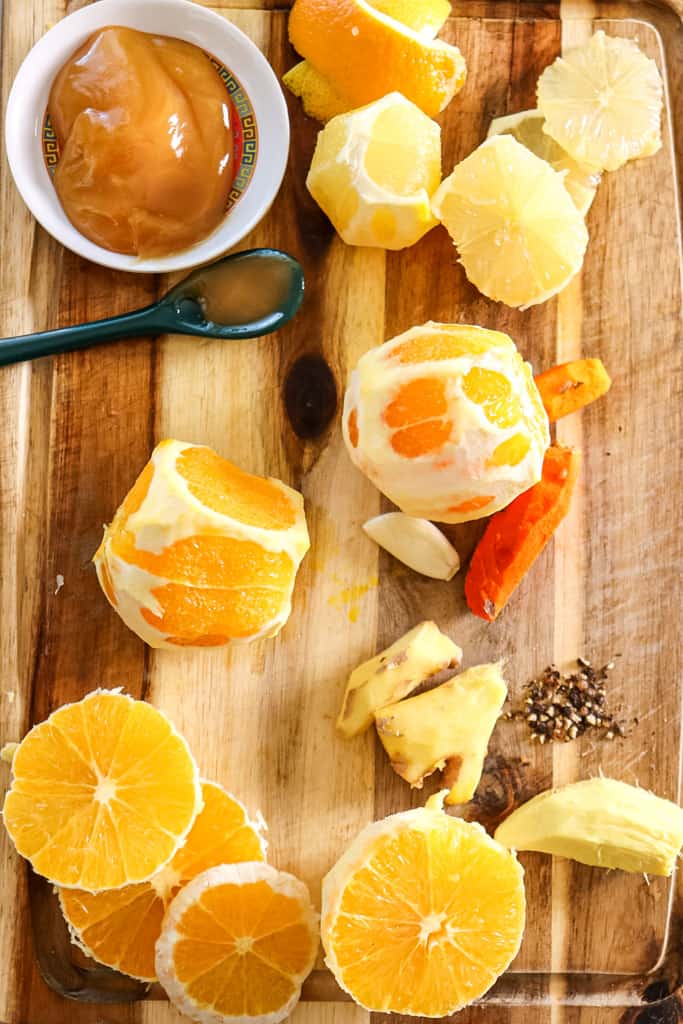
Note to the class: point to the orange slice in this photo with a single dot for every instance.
(201, 553)
(364, 54)
(422, 913)
(120, 928)
(104, 793)
(237, 943)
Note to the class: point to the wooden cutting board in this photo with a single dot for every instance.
(78, 429)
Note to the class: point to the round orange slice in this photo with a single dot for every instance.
(201, 553)
(422, 913)
(103, 794)
(119, 928)
(236, 945)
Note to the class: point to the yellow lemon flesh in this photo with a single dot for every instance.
(519, 235)
(580, 180)
(374, 171)
(603, 102)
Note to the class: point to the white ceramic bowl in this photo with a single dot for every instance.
(184, 20)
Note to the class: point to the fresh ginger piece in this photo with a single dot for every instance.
(570, 386)
(393, 674)
(600, 822)
(515, 536)
(447, 727)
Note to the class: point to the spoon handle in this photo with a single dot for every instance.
(150, 320)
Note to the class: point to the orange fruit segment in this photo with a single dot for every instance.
(364, 54)
(422, 913)
(447, 421)
(103, 794)
(237, 943)
(120, 928)
(201, 553)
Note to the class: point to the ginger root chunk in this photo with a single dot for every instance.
(448, 728)
(393, 674)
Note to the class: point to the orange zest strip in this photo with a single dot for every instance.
(517, 535)
(571, 386)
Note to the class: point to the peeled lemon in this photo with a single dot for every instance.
(603, 102)
(520, 237)
(446, 421)
(374, 171)
(580, 180)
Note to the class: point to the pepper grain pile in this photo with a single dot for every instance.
(560, 707)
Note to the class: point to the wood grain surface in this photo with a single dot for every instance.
(77, 430)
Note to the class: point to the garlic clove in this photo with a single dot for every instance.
(417, 543)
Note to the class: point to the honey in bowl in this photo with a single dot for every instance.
(144, 131)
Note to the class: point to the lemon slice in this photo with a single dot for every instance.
(580, 180)
(520, 237)
(374, 170)
(603, 102)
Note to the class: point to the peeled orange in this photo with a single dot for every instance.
(374, 172)
(422, 913)
(236, 945)
(103, 794)
(364, 54)
(201, 553)
(120, 928)
(447, 422)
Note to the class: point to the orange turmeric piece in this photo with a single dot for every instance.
(570, 386)
(516, 535)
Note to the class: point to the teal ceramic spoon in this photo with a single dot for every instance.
(245, 295)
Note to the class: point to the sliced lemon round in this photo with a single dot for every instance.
(603, 102)
(580, 180)
(374, 171)
(520, 237)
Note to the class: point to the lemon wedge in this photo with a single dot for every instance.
(602, 103)
(520, 237)
(580, 180)
(374, 171)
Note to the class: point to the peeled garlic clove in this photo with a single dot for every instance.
(416, 542)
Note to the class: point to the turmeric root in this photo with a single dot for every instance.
(570, 386)
(516, 535)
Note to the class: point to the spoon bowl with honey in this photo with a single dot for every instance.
(244, 295)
